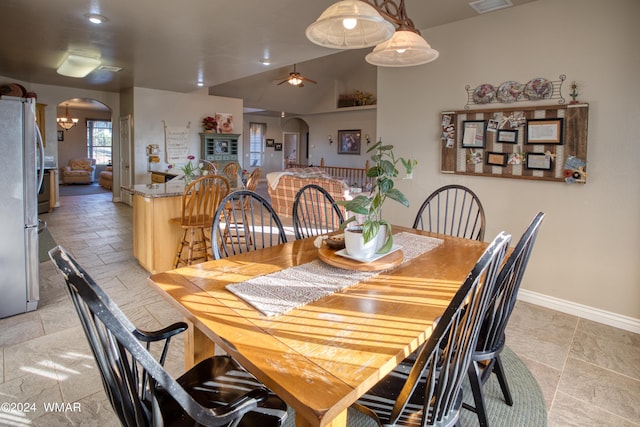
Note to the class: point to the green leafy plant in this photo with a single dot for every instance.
(384, 172)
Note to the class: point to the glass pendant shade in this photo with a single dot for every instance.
(350, 24)
(66, 122)
(404, 49)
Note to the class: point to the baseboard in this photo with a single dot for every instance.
(601, 316)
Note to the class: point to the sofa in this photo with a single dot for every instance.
(78, 171)
(106, 178)
(283, 186)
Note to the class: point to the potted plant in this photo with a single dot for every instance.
(368, 208)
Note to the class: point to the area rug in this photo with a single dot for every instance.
(528, 410)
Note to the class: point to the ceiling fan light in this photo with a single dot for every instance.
(368, 27)
(77, 66)
(404, 49)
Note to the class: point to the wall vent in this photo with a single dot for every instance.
(484, 6)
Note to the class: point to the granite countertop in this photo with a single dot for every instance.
(173, 188)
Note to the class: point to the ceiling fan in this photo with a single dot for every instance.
(296, 79)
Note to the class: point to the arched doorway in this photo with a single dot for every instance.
(85, 131)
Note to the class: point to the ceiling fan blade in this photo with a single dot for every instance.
(308, 80)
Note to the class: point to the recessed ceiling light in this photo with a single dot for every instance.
(200, 84)
(265, 61)
(484, 6)
(96, 18)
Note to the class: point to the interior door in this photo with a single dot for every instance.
(125, 159)
(290, 148)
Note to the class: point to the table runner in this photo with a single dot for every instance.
(282, 291)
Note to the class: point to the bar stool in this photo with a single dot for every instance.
(199, 203)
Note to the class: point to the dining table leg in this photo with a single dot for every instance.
(197, 346)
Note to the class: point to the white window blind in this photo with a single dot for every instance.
(257, 133)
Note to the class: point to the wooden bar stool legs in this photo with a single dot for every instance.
(197, 245)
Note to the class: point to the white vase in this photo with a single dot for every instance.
(354, 242)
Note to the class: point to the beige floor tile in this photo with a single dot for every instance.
(17, 329)
(570, 412)
(601, 388)
(541, 334)
(608, 347)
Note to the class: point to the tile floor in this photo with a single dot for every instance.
(589, 373)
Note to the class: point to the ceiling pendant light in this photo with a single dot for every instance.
(349, 24)
(66, 122)
(354, 24)
(77, 66)
(405, 48)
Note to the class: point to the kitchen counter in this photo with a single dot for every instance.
(172, 188)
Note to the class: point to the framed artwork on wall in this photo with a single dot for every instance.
(539, 161)
(496, 159)
(509, 136)
(270, 142)
(349, 141)
(60, 135)
(277, 146)
(473, 133)
(544, 131)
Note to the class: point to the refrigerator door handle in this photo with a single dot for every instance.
(40, 146)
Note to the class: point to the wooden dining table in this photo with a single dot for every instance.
(320, 357)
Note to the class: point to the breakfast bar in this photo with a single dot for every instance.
(154, 237)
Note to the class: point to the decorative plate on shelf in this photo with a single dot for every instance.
(539, 88)
(509, 91)
(484, 94)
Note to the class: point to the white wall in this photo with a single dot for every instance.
(588, 250)
(155, 108)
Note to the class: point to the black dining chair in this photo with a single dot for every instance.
(486, 357)
(428, 392)
(245, 221)
(315, 212)
(453, 210)
(216, 392)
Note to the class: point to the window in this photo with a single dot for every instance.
(256, 143)
(99, 141)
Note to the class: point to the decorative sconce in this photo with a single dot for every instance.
(367, 138)
(330, 139)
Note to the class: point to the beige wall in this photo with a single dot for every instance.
(588, 251)
(155, 108)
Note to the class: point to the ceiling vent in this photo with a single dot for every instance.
(484, 6)
(109, 68)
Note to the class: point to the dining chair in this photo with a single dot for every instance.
(315, 212)
(245, 221)
(199, 202)
(428, 392)
(486, 357)
(210, 167)
(254, 178)
(230, 169)
(216, 392)
(454, 210)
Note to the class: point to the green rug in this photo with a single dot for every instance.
(528, 410)
(45, 243)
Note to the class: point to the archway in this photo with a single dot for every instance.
(87, 133)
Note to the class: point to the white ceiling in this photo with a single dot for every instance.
(170, 45)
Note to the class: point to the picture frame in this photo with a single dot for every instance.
(270, 142)
(277, 146)
(60, 135)
(544, 131)
(473, 133)
(508, 136)
(539, 161)
(496, 159)
(349, 141)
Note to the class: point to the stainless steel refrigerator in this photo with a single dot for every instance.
(20, 179)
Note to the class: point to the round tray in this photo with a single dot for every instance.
(388, 261)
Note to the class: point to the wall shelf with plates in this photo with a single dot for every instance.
(538, 89)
